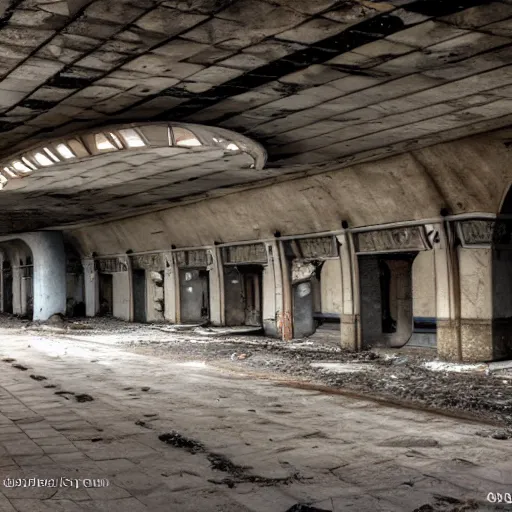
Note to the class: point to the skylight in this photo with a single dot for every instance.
(102, 143)
(42, 159)
(21, 167)
(65, 152)
(132, 138)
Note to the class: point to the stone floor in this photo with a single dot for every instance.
(280, 446)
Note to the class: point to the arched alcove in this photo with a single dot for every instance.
(502, 281)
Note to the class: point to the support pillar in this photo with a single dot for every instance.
(170, 285)
(446, 271)
(272, 292)
(287, 301)
(49, 272)
(216, 284)
(91, 287)
(16, 290)
(350, 304)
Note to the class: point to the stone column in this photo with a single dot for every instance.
(91, 287)
(350, 304)
(476, 304)
(287, 301)
(272, 292)
(446, 270)
(49, 273)
(216, 284)
(24, 281)
(170, 284)
(16, 289)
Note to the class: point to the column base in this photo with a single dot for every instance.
(448, 340)
(349, 332)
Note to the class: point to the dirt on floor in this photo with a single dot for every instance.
(400, 376)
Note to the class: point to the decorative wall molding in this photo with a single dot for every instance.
(112, 265)
(151, 262)
(249, 253)
(197, 258)
(400, 239)
(315, 248)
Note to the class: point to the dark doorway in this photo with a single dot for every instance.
(303, 309)
(194, 296)
(139, 295)
(502, 282)
(386, 299)
(106, 294)
(7, 276)
(243, 295)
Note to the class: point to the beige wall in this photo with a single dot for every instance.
(464, 176)
(121, 293)
(475, 283)
(330, 287)
(424, 285)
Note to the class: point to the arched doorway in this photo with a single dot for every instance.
(502, 281)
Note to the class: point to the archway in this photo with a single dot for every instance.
(502, 281)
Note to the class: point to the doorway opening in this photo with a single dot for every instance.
(194, 295)
(243, 295)
(386, 299)
(139, 295)
(106, 292)
(7, 291)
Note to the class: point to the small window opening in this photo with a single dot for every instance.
(42, 159)
(102, 142)
(184, 137)
(132, 138)
(21, 167)
(64, 151)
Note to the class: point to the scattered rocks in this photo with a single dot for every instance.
(499, 434)
(20, 367)
(410, 442)
(64, 394)
(83, 397)
(178, 441)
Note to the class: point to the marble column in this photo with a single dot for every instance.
(91, 287)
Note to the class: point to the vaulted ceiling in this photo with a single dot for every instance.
(314, 81)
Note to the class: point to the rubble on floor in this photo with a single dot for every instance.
(412, 376)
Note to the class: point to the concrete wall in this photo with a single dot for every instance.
(424, 285)
(330, 287)
(121, 293)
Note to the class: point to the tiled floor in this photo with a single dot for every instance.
(335, 452)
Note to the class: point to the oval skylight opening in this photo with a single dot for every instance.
(64, 151)
(132, 138)
(102, 143)
(42, 159)
(21, 167)
(184, 137)
(9, 172)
